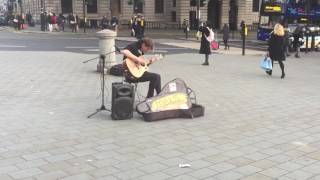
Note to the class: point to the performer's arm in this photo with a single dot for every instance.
(131, 56)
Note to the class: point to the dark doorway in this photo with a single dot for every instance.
(138, 6)
(66, 6)
(193, 20)
(214, 13)
(115, 7)
(92, 7)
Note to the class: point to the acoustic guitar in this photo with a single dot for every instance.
(136, 69)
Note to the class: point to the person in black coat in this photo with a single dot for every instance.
(276, 49)
(226, 36)
(297, 36)
(205, 44)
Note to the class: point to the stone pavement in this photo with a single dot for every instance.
(256, 127)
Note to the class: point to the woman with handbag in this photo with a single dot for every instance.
(205, 48)
(276, 49)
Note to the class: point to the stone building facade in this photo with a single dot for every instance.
(158, 13)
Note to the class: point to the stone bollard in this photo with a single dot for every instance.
(106, 45)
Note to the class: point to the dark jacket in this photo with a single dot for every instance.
(226, 33)
(277, 48)
(205, 45)
(297, 34)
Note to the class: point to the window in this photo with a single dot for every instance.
(119, 6)
(66, 6)
(193, 3)
(138, 6)
(159, 6)
(174, 3)
(255, 5)
(173, 16)
(92, 6)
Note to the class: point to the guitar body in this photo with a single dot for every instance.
(136, 70)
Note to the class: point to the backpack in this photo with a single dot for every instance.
(117, 70)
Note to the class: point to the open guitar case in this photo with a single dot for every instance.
(176, 100)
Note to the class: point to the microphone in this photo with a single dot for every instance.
(117, 49)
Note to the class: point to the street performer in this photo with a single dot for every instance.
(135, 52)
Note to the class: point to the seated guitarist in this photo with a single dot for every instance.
(134, 52)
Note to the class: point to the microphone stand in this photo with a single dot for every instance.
(103, 107)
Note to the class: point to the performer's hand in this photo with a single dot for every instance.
(152, 60)
(141, 61)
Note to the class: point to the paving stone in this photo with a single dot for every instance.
(257, 177)
(203, 173)
(37, 155)
(290, 166)
(239, 161)
(60, 157)
(155, 176)
(222, 167)
(78, 177)
(184, 177)
(25, 173)
(51, 175)
(31, 164)
(104, 171)
(5, 177)
(229, 175)
(131, 174)
(299, 175)
(7, 169)
(247, 170)
(154, 167)
(264, 164)
(274, 172)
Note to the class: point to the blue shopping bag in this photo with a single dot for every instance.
(266, 64)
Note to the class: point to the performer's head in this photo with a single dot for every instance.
(147, 45)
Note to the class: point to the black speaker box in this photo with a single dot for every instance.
(122, 101)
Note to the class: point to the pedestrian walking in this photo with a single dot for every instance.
(104, 22)
(46, 24)
(276, 49)
(297, 40)
(61, 22)
(114, 23)
(226, 36)
(205, 48)
(72, 22)
(16, 22)
(132, 27)
(49, 21)
(77, 22)
(54, 21)
(286, 42)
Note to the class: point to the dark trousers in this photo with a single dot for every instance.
(153, 78)
(226, 45)
(281, 66)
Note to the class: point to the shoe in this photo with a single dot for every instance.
(269, 73)
(205, 64)
(297, 56)
(282, 76)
